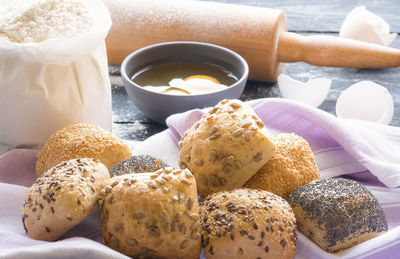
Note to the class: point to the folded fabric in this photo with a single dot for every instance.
(365, 152)
(340, 146)
(362, 151)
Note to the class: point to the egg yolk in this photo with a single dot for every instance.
(202, 77)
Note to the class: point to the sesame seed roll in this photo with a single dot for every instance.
(81, 140)
(290, 167)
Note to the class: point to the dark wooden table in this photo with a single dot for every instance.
(307, 17)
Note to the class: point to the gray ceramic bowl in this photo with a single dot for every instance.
(158, 106)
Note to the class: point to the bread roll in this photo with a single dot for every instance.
(290, 167)
(138, 164)
(81, 140)
(226, 147)
(152, 215)
(63, 197)
(337, 213)
(246, 223)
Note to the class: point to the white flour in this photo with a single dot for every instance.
(53, 68)
(36, 22)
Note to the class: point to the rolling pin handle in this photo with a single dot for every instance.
(332, 51)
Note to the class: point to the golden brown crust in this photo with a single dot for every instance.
(225, 147)
(247, 223)
(290, 167)
(63, 197)
(81, 140)
(152, 214)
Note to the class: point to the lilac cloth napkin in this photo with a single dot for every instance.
(362, 151)
(366, 152)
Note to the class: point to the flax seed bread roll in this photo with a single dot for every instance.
(290, 167)
(63, 197)
(226, 147)
(152, 215)
(247, 223)
(337, 213)
(138, 164)
(82, 140)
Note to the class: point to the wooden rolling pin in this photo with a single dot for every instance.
(258, 34)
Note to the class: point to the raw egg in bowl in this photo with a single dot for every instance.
(174, 77)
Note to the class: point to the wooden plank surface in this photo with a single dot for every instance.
(307, 17)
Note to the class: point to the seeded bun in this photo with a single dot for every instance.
(246, 223)
(152, 215)
(63, 197)
(337, 213)
(138, 164)
(290, 167)
(81, 140)
(226, 147)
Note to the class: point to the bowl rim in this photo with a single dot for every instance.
(146, 48)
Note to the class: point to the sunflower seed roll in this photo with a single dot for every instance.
(226, 147)
(152, 215)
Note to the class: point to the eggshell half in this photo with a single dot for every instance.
(313, 92)
(361, 24)
(367, 101)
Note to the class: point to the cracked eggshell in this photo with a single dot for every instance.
(313, 92)
(367, 101)
(361, 24)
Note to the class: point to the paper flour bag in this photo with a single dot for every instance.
(53, 68)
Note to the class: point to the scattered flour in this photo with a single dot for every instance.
(43, 20)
